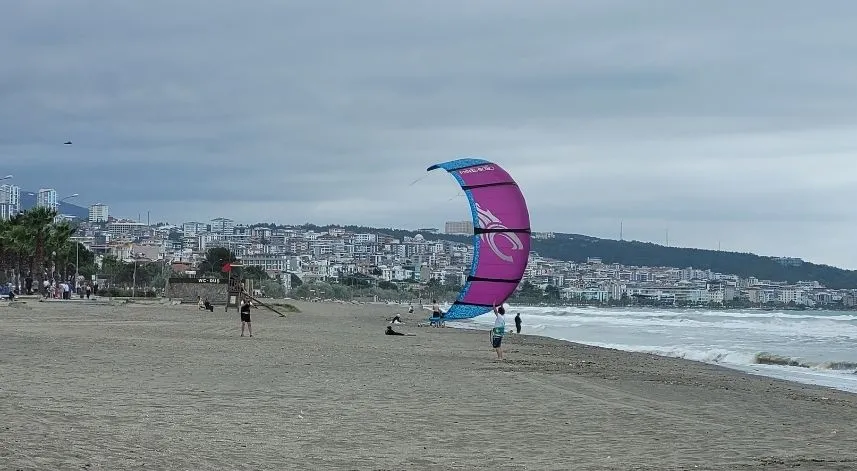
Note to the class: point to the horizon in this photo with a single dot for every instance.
(724, 127)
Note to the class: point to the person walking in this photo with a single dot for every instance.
(518, 323)
(498, 330)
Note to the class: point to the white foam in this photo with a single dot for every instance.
(731, 338)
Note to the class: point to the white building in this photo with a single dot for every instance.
(194, 228)
(98, 212)
(459, 227)
(47, 198)
(126, 228)
(10, 196)
(222, 225)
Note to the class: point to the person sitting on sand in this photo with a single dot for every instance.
(207, 306)
(390, 331)
(199, 304)
(498, 330)
(245, 317)
(397, 319)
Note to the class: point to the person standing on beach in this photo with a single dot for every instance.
(245, 317)
(518, 323)
(498, 330)
(437, 313)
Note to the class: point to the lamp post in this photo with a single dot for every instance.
(76, 245)
(134, 278)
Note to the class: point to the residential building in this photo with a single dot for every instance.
(10, 200)
(98, 213)
(222, 225)
(47, 198)
(194, 228)
(459, 227)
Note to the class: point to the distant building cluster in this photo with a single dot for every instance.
(595, 281)
(335, 253)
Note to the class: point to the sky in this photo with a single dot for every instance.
(713, 123)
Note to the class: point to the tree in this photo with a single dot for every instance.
(384, 284)
(37, 223)
(57, 244)
(215, 258)
(255, 273)
(272, 289)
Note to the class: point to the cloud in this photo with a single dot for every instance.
(724, 121)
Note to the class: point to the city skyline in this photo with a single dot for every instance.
(718, 126)
(98, 212)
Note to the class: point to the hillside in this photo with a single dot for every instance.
(577, 248)
(28, 200)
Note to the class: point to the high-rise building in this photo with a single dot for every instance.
(98, 212)
(194, 228)
(222, 225)
(10, 201)
(459, 227)
(47, 198)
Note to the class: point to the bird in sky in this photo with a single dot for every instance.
(68, 143)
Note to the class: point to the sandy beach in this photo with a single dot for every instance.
(157, 386)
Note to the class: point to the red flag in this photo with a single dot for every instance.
(227, 267)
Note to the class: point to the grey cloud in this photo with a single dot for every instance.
(741, 114)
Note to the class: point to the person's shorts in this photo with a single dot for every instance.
(245, 317)
(495, 341)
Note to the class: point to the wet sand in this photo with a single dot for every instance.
(156, 386)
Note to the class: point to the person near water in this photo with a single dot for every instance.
(498, 330)
(410, 309)
(245, 317)
(518, 323)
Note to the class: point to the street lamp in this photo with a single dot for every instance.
(76, 244)
(134, 279)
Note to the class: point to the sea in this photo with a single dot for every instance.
(812, 347)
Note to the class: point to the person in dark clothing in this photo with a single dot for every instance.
(390, 331)
(245, 317)
(207, 305)
(518, 323)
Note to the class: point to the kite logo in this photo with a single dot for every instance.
(487, 220)
(483, 168)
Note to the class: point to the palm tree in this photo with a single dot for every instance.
(38, 222)
(16, 246)
(57, 241)
(7, 253)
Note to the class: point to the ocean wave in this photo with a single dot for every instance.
(673, 313)
(800, 327)
(718, 355)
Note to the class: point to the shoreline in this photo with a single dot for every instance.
(164, 386)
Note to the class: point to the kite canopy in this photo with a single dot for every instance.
(501, 239)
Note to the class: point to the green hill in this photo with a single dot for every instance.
(577, 248)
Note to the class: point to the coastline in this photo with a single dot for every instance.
(164, 386)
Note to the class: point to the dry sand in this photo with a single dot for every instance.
(136, 386)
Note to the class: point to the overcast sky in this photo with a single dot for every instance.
(721, 121)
